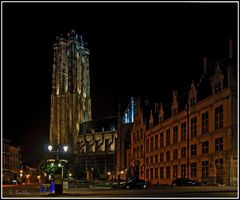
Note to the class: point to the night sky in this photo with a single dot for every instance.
(135, 49)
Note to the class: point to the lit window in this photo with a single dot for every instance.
(175, 134)
(219, 117)
(183, 131)
(168, 137)
(183, 170)
(175, 154)
(183, 152)
(205, 147)
(205, 123)
(161, 140)
(168, 155)
(194, 127)
(168, 172)
(194, 169)
(205, 169)
(156, 142)
(156, 173)
(219, 144)
(161, 157)
(175, 171)
(193, 150)
(161, 173)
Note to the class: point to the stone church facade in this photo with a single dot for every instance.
(70, 98)
(92, 143)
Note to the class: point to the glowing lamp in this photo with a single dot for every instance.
(50, 147)
(65, 148)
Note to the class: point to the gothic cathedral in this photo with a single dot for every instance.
(70, 98)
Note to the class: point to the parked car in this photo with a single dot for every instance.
(195, 182)
(185, 182)
(115, 183)
(135, 184)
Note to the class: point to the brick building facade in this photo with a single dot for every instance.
(198, 139)
(11, 162)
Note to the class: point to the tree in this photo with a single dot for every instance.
(49, 168)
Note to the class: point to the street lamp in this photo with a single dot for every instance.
(21, 175)
(122, 174)
(50, 148)
(58, 174)
(109, 173)
(69, 175)
(28, 178)
(65, 148)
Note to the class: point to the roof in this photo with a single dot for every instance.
(202, 84)
(99, 125)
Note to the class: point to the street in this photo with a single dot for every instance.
(196, 191)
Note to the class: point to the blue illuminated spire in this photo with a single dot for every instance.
(129, 113)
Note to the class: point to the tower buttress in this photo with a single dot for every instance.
(70, 98)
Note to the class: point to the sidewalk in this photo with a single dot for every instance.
(80, 192)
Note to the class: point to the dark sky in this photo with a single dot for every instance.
(135, 49)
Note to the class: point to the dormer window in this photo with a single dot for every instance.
(217, 80)
(192, 97)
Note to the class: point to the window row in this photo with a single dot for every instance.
(138, 135)
(193, 151)
(165, 172)
(157, 141)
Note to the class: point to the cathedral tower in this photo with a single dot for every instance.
(70, 98)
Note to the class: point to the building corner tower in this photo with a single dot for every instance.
(70, 98)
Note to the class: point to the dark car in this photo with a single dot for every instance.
(194, 182)
(135, 184)
(185, 182)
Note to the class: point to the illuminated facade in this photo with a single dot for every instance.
(102, 145)
(12, 162)
(128, 116)
(70, 98)
(123, 140)
(97, 148)
(70, 122)
(198, 137)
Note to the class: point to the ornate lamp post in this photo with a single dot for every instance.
(58, 174)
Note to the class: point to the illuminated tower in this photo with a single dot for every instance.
(70, 98)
